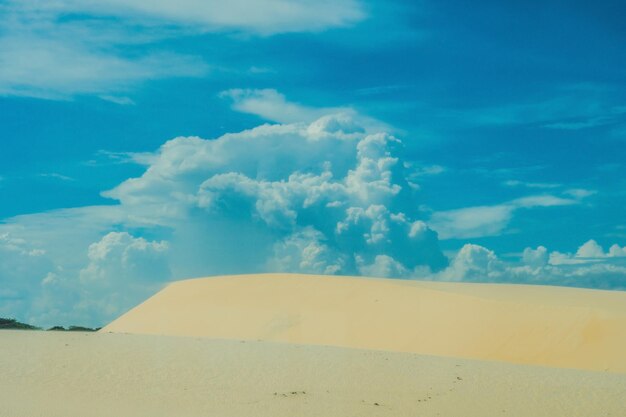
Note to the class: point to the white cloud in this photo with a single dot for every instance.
(543, 185)
(271, 105)
(427, 170)
(590, 249)
(541, 201)
(59, 69)
(345, 187)
(66, 48)
(121, 270)
(109, 276)
(479, 264)
(120, 256)
(383, 266)
(536, 258)
(121, 100)
(305, 251)
(57, 176)
(8, 243)
(579, 193)
(22, 265)
(264, 17)
(43, 273)
(47, 53)
(559, 258)
(471, 222)
(472, 263)
(617, 251)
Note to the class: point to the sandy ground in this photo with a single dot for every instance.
(551, 326)
(52, 374)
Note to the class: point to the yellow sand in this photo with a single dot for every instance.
(53, 374)
(551, 326)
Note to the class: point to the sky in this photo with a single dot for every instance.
(443, 140)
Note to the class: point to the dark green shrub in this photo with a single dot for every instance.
(14, 324)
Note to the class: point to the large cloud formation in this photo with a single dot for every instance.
(330, 197)
(324, 197)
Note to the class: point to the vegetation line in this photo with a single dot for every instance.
(12, 324)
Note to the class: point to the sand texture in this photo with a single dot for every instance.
(539, 325)
(49, 374)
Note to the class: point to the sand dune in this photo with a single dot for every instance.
(50, 374)
(560, 327)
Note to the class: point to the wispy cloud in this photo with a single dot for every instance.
(57, 176)
(480, 221)
(272, 105)
(104, 157)
(517, 183)
(569, 107)
(263, 17)
(121, 100)
(46, 53)
(54, 69)
(62, 49)
(579, 193)
(572, 107)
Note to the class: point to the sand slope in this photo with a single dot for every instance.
(115, 375)
(562, 327)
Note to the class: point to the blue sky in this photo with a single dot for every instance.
(412, 139)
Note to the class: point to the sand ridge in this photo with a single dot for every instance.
(550, 326)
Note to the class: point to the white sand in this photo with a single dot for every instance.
(49, 374)
(561, 327)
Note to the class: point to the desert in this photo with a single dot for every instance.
(287, 344)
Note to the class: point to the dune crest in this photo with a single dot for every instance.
(551, 326)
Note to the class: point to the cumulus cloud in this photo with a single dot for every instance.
(616, 251)
(589, 267)
(591, 249)
(473, 263)
(307, 252)
(112, 275)
(22, 266)
(122, 256)
(325, 185)
(536, 258)
(41, 258)
(383, 266)
(121, 269)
